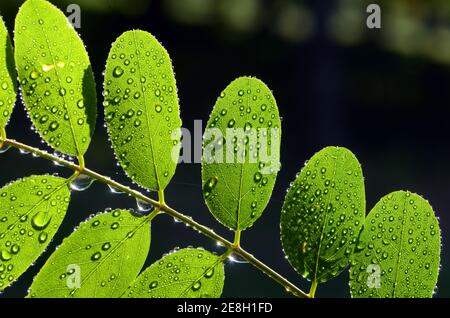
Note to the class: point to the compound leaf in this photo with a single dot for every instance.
(8, 84)
(187, 273)
(398, 253)
(56, 78)
(241, 153)
(323, 214)
(31, 211)
(99, 259)
(141, 109)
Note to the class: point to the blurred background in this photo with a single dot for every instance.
(383, 93)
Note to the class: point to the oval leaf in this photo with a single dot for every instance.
(56, 77)
(141, 109)
(323, 214)
(8, 84)
(187, 273)
(241, 153)
(99, 259)
(399, 250)
(31, 211)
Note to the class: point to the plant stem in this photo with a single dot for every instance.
(313, 289)
(2, 136)
(161, 206)
(237, 238)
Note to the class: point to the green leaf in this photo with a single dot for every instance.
(141, 109)
(323, 214)
(187, 273)
(8, 84)
(398, 253)
(99, 259)
(241, 153)
(31, 211)
(56, 78)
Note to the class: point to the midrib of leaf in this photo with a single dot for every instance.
(59, 78)
(219, 260)
(242, 169)
(95, 268)
(325, 220)
(39, 203)
(400, 249)
(144, 95)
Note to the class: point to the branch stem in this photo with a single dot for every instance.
(160, 205)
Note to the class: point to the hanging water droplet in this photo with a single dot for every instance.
(144, 206)
(114, 190)
(81, 183)
(4, 148)
(235, 258)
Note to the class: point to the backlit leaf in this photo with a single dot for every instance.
(398, 253)
(241, 153)
(323, 214)
(31, 211)
(56, 77)
(99, 259)
(187, 273)
(8, 84)
(141, 109)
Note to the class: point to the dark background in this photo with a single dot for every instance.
(382, 93)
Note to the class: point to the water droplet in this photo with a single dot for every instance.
(53, 126)
(158, 108)
(196, 286)
(118, 71)
(257, 177)
(235, 258)
(81, 183)
(106, 246)
(209, 186)
(144, 206)
(41, 220)
(5, 255)
(4, 148)
(115, 225)
(209, 273)
(96, 256)
(34, 75)
(153, 285)
(42, 237)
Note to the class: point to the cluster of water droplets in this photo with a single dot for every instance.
(26, 226)
(322, 215)
(401, 236)
(191, 273)
(141, 107)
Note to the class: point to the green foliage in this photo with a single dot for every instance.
(31, 211)
(8, 84)
(186, 273)
(107, 252)
(141, 109)
(237, 178)
(394, 253)
(56, 78)
(323, 214)
(401, 236)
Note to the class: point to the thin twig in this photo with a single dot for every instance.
(235, 248)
